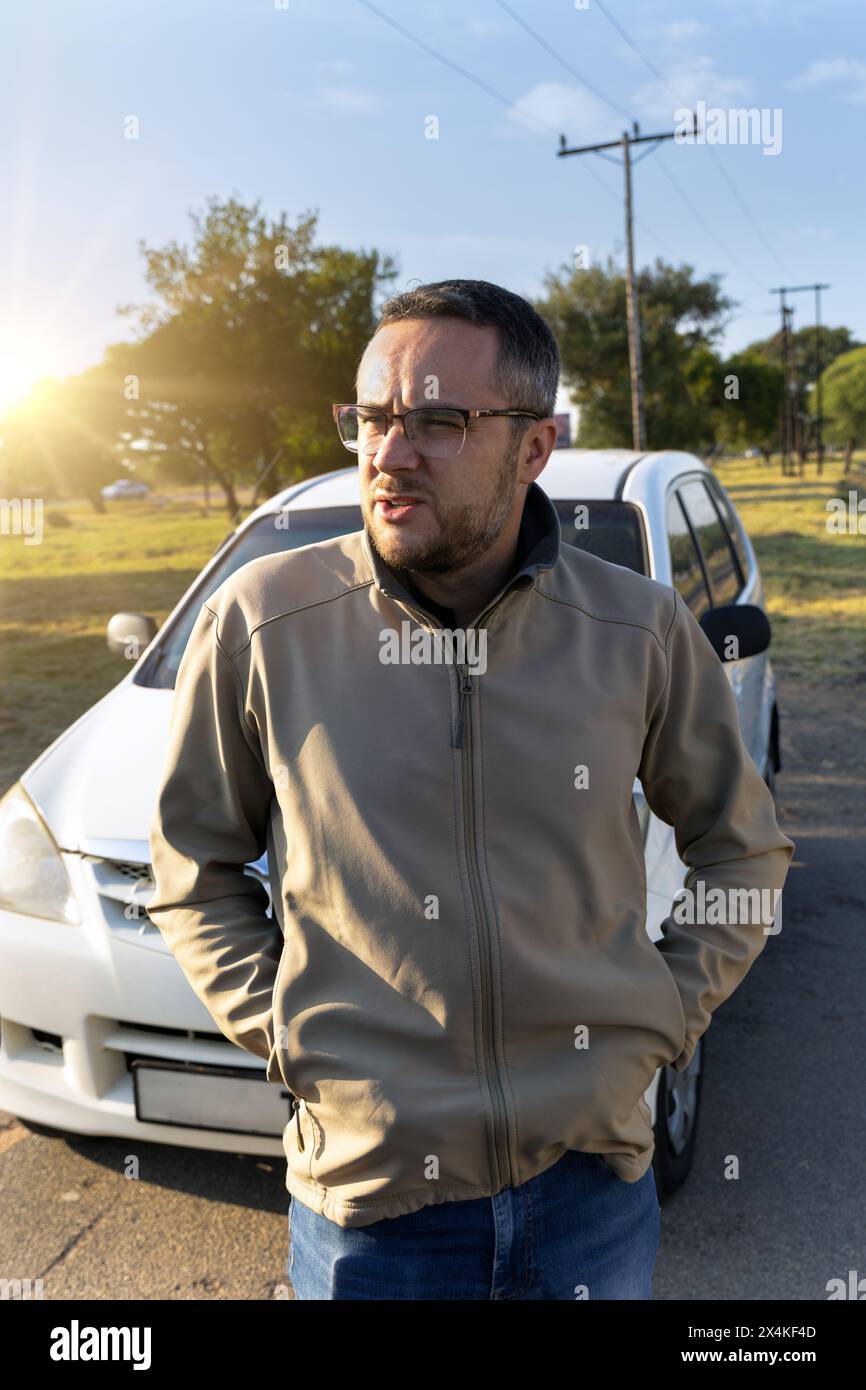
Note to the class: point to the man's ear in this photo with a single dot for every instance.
(537, 446)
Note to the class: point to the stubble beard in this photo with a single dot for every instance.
(466, 534)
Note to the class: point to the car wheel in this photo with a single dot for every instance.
(678, 1106)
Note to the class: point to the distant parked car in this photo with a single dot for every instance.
(125, 487)
(101, 1033)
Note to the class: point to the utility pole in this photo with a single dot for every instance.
(786, 426)
(790, 373)
(796, 413)
(819, 385)
(787, 432)
(638, 422)
(632, 309)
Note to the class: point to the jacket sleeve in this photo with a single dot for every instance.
(211, 818)
(699, 777)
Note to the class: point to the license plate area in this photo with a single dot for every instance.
(232, 1100)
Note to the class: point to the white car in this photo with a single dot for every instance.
(125, 487)
(99, 1031)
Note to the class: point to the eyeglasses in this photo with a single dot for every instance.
(439, 432)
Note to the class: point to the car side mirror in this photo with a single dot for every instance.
(128, 634)
(737, 630)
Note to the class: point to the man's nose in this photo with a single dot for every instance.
(395, 451)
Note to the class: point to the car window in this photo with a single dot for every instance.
(159, 668)
(713, 540)
(611, 530)
(733, 524)
(686, 569)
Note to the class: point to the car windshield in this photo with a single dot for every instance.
(611, 530)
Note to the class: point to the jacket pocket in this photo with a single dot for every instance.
(677, 1010)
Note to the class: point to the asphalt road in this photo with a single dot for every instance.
(784, 1092)
(786, 1055)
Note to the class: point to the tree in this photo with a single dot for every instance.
(748, 413)
(250, 333)
(834, 341)
(253, 331)
(681, 318)
(844, 386)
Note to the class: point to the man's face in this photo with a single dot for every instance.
(454, 508)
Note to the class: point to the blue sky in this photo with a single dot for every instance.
(321, 105)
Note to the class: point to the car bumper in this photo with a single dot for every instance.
(79, 1004)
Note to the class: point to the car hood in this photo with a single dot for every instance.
(99, 780)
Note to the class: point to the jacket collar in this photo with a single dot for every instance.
(538, 545)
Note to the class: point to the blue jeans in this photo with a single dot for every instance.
(575, 1231)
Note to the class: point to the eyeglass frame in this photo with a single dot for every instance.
(391, 416)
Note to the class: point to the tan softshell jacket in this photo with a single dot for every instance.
(457, 984)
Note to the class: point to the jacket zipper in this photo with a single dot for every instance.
(299, 1136)
(463, 741)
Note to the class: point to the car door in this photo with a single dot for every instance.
(757, 682)
(664, 868)
(726, 583)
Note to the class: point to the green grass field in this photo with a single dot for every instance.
(814, 581)
(56, 597)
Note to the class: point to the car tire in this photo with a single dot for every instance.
(678, 1108)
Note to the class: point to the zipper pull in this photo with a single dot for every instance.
(465, 689)
(298, 1124)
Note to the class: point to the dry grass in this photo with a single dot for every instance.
(814, 580)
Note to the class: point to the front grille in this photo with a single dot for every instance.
(124, 890)
(209, 1035)
(147, 1040)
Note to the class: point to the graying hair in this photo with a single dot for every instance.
(527, 363)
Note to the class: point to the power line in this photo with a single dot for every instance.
(491, 92)
(584, 81)
(623, 35)
(449, 63)
(707, 228)
(615, 107)
(745, 207)
(719, 165)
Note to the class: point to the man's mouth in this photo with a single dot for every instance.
(396, 508)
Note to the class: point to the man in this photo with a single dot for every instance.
(457, 986)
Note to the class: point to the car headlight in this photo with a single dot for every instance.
(33, 878)
(643, 812)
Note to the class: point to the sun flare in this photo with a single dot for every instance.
(25, 359)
